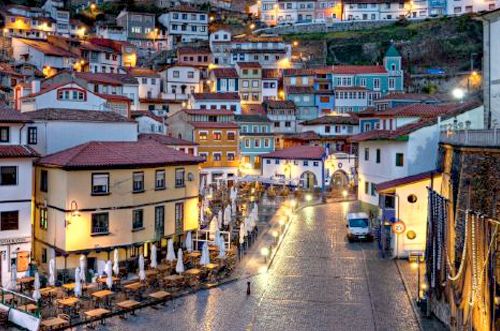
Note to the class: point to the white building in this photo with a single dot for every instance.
(149, 82)
(42, 54)
(406, 142)
(113, 32)
(16, 187)
(185, 24)
(180, 81)
(302, 166)
(220, 46)
(332, 125)
(269, 51)
(283, 114)
(227, 100)
(351, 99)
(148, 122)
(374, 11)
(460, 7)
(56, 11)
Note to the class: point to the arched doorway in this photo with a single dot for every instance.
(340, 179)
(308, 180)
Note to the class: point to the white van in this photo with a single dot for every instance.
(358, 227)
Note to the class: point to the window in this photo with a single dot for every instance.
(255, 83)
(100, 223)
(373, 190)
(276, 161)
(176, 74)
(367, 187)
(203, 135)
(138, 182)
(4, 134)
(8, 175)
(376, 83)
(217, 135)
(100, 184)
(378, 156)
(9, 220)
(32, 135)
(137, 219)
(268, 161)
(399, 159)
(230, 156)
(306, 163)
(288, 124)
(392, 83)
(44, 180)
(217, 156)
(412, 198)
(160, 179)
(266, 142)
(44, 221)
(179, 217)
(367, 154)
(231, 135)
(190, 74)
(179, 177)
(245, 83)
(315, 163)
(256, 143)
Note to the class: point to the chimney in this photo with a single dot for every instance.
(35, 86)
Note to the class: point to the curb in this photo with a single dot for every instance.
(414, 306)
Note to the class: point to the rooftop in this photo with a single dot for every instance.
(300, 90)
(118, 155)
(58, 114)
(279, 104)
(214, 125)
(213, 112)
(358, 69)
(143, 72)
(217, 96)
(17, 151)
(251, 65)
(166, 140)
(46, 48)
(303, 152)
(225, 73)
(106, 78)
(9, 115)
(405, 180)
(333, 119)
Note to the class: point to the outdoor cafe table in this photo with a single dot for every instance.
(54, 322)
(102, 295)
(96, 313)
(211, 266)
(133, 287)
(151, 273)
(69, 303)
(128, 305)
(102, 280)
(173, 279)
(193, 272)
(163, 267)
(25, 281)
(159, 295)
(48, 291)
(28, 307)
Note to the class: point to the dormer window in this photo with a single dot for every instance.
(70, 94)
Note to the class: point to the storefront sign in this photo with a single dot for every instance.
(12, 241)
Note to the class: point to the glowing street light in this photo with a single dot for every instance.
(309, 197)
(265, 253)
(252, 26)
(458, 93)
(295, 43)
(93, 6)
(344, 193)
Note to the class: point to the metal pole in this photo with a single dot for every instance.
(418, 278)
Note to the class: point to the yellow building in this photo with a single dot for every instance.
(98, 196)
(250, 82)
(216, 134)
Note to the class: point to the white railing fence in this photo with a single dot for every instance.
(490, 137)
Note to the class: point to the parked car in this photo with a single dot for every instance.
(358, 227)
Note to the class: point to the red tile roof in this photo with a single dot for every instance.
(298, 72)
(106, 78)
(46, 48)
(74, 115)
(117, 155)
(405, 180)
(208, 111)
(304, 136)
(214, 125)
(217, 96)
(166, 140)
(271, 74)
(408, 96)
(49, 87)
(186, 9)
(249, 64)
(143, 72)
(114, 97)
(146, 113)
(279, 104)
(6, 69)
(333, 119)
(300, 90)
(426, 110)
(15, 151)
(193, 50)
(392, 134)
(304, 152)
(225, 73)
(9, 115)
(358, 69)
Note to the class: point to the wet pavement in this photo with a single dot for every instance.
(317, 281)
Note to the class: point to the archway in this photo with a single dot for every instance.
(340, 179)
(308, 180)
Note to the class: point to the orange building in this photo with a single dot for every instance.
(216, 133)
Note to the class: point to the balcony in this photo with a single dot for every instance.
(220, 164)
(476, 138)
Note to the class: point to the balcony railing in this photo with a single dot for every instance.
(489, 137)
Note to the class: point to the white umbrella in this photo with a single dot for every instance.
(227, 215)
(189, 242)
(78, 282)
(242, 233)
(202, 212)
(233, 207)
(217, 237)
(83, 263)
(211, 191)
(219, 219)
(116, 266)
(52, 272)
(222, 247)
(13, 277)
(101, 266)
(202, 185)
(142, 274)
(154, 263)
(213, 227)
(205, 256)
(109, 274)
(36, 284)
(179, 268)
(170, 251)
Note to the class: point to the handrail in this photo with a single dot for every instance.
(487, 137)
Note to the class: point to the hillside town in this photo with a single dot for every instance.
(188, 164)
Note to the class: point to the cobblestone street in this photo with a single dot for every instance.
(318, 281)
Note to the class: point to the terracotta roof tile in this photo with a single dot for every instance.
(250, 109)
(193, 50)
(208, 111)
(15, 151)
(106, 155)
(303, 152)
(304, 136)
(300, 90)
(58, 114)
(107, 78)
(333, 119)
(225, 73)
(47, 49)
(114, 97)
(298, 72)
(143, 72)
(166, 140)
(405, 180)
(279, 104)
(9, 115)
(271, 74)
(408, 96)
(139, 113)
(217, 96)
(214, 125)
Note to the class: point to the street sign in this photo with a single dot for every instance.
(398, 227)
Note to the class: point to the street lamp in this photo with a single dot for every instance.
(458, 93)
(295, 43)
(265, 253)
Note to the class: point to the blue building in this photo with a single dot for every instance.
(223, 80)
(305, 102)
(256, 138)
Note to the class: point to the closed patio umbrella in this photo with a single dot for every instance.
(78, 283)
(116, 266)
(109, 274)
(205, 256)
(213, 227)
(222, 247)
(154, 262)
(101, 266)
(233, 207)
(52, 272)
(13, 277)
(179, 268)
(219, 219)
(189, 242)
(202, 185)
(83, 264)
(142, 274)
(36, 285)
(227, 215)
(242, 233)
(170, 251)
